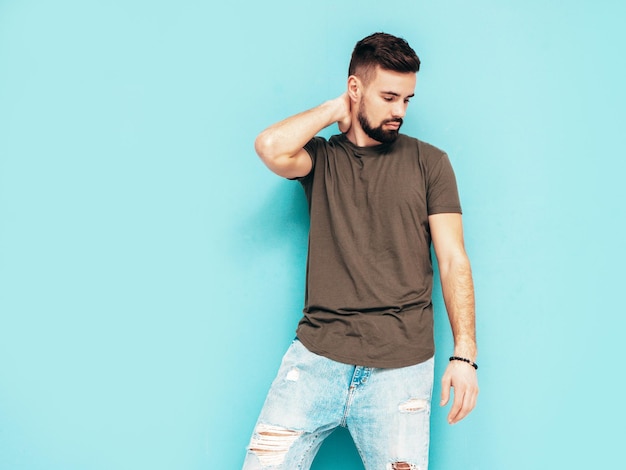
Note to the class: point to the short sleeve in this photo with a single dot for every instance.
(442, 194)
(314, 147)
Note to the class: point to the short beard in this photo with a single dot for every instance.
(378, 133)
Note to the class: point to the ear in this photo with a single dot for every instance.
(355, 88)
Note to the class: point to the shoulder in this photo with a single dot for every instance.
(320, 146)
(427, 154)
(423, 148)
(317, 144)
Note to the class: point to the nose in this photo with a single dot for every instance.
(399, 109)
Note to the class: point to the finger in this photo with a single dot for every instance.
(473, 398)
(457, 406)
(445, 391)
(466, 407)
(344, 125)
(469, 402)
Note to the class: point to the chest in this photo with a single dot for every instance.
(387, 184)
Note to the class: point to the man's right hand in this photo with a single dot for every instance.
(345, 122)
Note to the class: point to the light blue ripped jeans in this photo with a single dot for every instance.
(387, 412)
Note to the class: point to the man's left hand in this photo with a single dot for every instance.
(462, 377)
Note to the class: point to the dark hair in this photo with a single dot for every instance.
(384, 50)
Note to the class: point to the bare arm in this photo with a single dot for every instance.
(280, 146)
(458, 293)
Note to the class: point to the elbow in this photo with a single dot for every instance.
(457, 264)
(271, 149)
(267, 149)
(263, 145)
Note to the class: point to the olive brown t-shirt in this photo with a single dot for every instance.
(369, 270)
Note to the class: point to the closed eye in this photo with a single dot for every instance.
(390, 96)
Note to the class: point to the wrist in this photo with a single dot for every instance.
(337, 109)
(464, 359)
(466, 353)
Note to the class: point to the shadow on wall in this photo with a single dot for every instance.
(267, 250)
(279, 221)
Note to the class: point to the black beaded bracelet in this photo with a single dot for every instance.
(471, 363)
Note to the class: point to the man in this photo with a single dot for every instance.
(363, 355)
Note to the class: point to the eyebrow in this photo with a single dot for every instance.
(393, 93)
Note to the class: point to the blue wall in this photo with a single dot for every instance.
(152, 270)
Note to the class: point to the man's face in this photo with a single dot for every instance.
(384, 102)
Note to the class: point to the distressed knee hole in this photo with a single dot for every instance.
(413, 405)
(402, 466)
(293, 375)
(271, 443)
